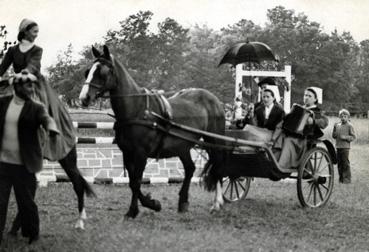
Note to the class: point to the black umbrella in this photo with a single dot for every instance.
(248, 52)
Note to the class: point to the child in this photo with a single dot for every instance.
(344, 133)
(20, 152)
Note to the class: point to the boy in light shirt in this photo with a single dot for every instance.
(344, 134)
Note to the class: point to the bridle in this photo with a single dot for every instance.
(101, 93)
(101, 90)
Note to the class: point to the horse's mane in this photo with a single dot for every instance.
(122, 73)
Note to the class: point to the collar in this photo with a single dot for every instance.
(25, 45)
(17, 100)
(311, 107)
(269, 107)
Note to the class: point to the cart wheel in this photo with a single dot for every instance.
(315, 178)
(235, 189)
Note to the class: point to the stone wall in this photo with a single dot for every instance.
(107, 163)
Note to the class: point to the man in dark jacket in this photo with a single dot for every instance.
(21, 152)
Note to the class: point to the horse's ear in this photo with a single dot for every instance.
(106, 52)
(95, 52)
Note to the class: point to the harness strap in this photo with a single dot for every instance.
(168, 131)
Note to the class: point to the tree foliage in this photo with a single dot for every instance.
(175, 57)
(5, 43)
(66, 77)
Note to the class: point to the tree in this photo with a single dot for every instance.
(6, 43)
(342, 51)
(171, 44)
(133, 45)
(3, 33)
(201, 68)
(362, 80)
(66, 77)
(176, 57)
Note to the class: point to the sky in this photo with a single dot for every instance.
(85, 22)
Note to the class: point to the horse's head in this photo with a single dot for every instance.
(99, 78)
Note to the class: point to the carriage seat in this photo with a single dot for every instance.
(252, 133)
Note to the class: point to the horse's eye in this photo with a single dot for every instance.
(104, 71)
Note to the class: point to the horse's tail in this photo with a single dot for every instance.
(213, 169)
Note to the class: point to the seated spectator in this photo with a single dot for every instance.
(268, 114)
(293, 146)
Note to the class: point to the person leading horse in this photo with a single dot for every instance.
(26, 57)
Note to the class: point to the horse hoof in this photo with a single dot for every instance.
(215, 208)
(80, 225)
(156, 205)
(83, 215)
(131, 214)
(183, 207)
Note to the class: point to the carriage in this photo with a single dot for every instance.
(150, 126)
(314, 175)
(247, 159)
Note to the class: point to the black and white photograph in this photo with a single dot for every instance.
(183, 125)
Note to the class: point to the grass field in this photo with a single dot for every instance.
(270, 219)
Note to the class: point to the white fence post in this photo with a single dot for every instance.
(238, 84)
(287, 94)
(284, 74)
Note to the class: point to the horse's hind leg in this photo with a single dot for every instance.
(218, 198)
(189, 168)
(80, 185)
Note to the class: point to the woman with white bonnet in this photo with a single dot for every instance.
(294, 146)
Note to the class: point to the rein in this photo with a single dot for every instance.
(167, 130)
(147, 93)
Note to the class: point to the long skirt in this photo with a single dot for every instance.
(291, 152)
(55, 148)
(254, 133)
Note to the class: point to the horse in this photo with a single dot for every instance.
(140, 135)
(80, 185)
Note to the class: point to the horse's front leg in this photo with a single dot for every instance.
(218, 198)
(189, 168)
(135, 165)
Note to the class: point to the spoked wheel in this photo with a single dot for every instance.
(315, 178)
(235, 189)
